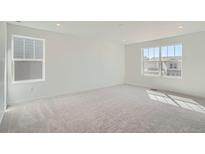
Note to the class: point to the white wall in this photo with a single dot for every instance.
(2, 67)
(72, 65)
(193, 73)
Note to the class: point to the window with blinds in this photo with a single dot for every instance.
(28, 59)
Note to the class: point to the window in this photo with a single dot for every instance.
(163, 61)
(28, 59)
(151, 61)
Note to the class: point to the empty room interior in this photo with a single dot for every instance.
(102, 77)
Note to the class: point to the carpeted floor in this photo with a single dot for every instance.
(118, 109)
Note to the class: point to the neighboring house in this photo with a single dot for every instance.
(171, 66)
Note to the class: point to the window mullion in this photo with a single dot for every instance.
(34, 50)
(160, 62)
(24, 51)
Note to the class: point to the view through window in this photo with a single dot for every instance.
(163, 61)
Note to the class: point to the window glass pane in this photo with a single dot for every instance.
(171, 68)
(38, 49)
(146, 54)
(170, 52)
(166, 59)
(18, 48)
(27, 70)
(151, 53)
(156, 53)
(151, 68)
(29, 48)
(178, 50)
(164, 52)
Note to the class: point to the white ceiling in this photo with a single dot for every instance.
(124, 32)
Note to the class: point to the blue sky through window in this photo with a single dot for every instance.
(146, 52)
(151, 53)
(178, 50)
(164, 51)
(171, 51)
(156, 52)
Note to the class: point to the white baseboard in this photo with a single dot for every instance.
(163, 89)
(20, 102)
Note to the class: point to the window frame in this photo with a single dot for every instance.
(25, 59)
(142, 62)
(160, 61)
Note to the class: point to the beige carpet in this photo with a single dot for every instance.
(119, 109)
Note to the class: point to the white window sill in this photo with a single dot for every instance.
(28, 81)
(172, 77)
(162, 76)
(150, 75)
